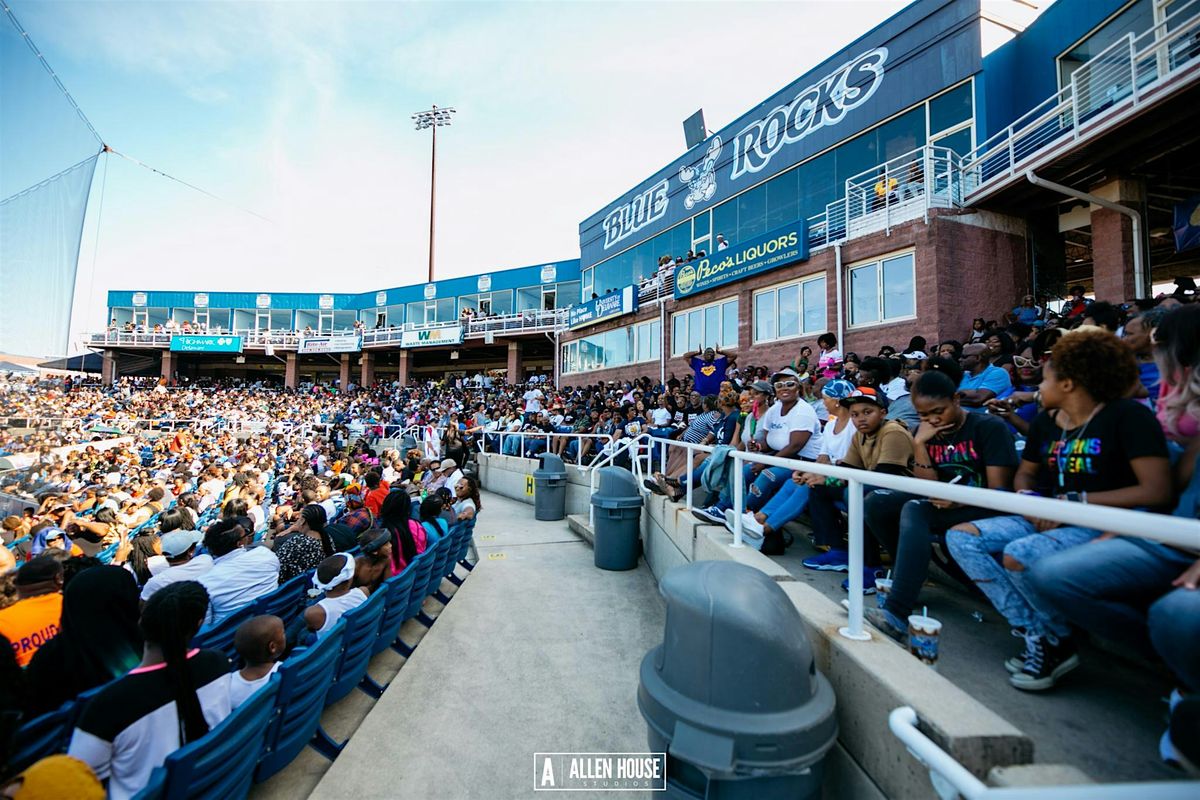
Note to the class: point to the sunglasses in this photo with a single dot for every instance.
(786, 384)
(1021, 362)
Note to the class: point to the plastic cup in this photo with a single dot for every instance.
(923, 635)
(883, 587)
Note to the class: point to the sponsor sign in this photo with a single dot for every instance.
(200, 300)
(430, 291)
(484, 284)
(610, 305)
(550, 273)
(339, 343)
(263, 301)
(432, 337)
(190, 343)
(139, 298)
(381, 298)
(779, 248)
(599, 772)
(325, 302)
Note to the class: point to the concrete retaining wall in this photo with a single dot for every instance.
(509, 476)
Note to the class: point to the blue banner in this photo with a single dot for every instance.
(1187, 224)
(611, 305)
(187, 343)
(779, 248)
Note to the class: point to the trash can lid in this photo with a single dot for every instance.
(734, 686)
(616, 482)
(550, 466)
(600, 501)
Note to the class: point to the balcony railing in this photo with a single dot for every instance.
(1131, 71)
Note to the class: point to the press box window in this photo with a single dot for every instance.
(882, 291)
(788, 311)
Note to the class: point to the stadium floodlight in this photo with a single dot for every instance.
(433, 119)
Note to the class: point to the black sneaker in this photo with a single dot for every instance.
(1017, 663)
(879, 618)
(1046, 661)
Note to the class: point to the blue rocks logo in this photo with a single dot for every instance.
(702, 181)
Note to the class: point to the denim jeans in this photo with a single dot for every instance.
(787, 504)
(1120, 589)
(1011, 591)
(512, 445)
(824, 504)
(905, 525)
(760, 489)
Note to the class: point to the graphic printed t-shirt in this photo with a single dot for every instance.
(1094, 457)
(709, 374)
(980, 442)
(131, 726)
(30, 623)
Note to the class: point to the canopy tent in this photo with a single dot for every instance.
(9, 366)
(88, 362)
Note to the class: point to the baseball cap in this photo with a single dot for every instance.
(762, 386)
(916, 355)
(838, 389)
(863, 394)
(786, 372)
(449, 463)
(176, 543)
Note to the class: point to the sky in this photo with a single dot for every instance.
(298, 115)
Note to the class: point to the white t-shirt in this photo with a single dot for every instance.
(835, 444)
(240, 689)
(335, 607)
(895, 388)
(188, 571)
(661, 417)
(778, 428)
(533, 400)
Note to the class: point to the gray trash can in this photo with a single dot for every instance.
(732, 695)
(550, 488)
(617, 512)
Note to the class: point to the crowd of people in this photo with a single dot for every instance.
(158, 510)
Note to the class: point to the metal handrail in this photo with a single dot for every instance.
(1167, 529)
(952, 780)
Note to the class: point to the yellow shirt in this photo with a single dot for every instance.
(30, 623)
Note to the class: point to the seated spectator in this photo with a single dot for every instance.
(35, 618)
(1028, 312)
(1090, 446)
(241, 572)
(179, 548)
(981, 381)
(879, 445)
(1138, 335)
(172, 698)
(408, 536)
(260, 641)
(98, 641)
(951, 446)
(467, 503)
(335, 577)
(372, 566)
(724, 433)
(304, 544)
(377, 490)
(829, 360)
(884, 375)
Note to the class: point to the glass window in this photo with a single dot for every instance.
(586, 291)
(817, 184)
(725, 220)
(764, 316)
(882, 291)
(681, 240)
(695, 330)
(1136, 19)
(281, 320)
(951, 108)
(864, 294)
(567, 294)
(617, 350)
(959, 141)
(701, 226)
(446, 310)
(655, 339)
(712, 326)
(679, 334)
(814, 305)
(643, 342)
(782, 200)
(344, 320)
(789, 310)
(729, 327)
(529, 297)
(752, 213)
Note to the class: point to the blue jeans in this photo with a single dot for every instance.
(1011, 591)
(787, 504)
(760, 489)
(1120, 589)
(512, 445)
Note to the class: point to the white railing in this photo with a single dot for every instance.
(1116, 80)
(1171, 530)
(548, 437)
(952, 780)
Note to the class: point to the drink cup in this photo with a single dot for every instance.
(923, 635)
(883, 587)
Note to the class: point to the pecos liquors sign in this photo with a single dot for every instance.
(778, 248)
(823, 104)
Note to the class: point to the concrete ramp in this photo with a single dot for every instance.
(537, 652)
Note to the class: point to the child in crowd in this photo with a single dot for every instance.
(335, 577)
(260, 641)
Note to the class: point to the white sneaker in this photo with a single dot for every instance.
(749, 523)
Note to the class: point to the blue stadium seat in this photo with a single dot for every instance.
(221, 764)
(287, 601)
(397, 590)
(220, 636)
(155, 788)
(441, 560)
(421, 567)
(107, 554)
(44, 736)
(304, 681)
(362, 629)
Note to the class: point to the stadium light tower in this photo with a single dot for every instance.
(434, 118)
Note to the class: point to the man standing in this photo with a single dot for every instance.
(709, 369)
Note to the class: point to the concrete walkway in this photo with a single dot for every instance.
(537, 652)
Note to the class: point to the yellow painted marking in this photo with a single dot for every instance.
(529, 486)
(496, 556)
(487, 538)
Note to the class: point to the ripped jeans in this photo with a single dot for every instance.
(1011, 591)
(759, 489)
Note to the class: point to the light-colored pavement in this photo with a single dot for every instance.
(537, 652)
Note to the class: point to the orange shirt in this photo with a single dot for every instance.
(374, 498)
(30, 623)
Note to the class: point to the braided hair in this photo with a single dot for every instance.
(395, 515)
(170, 619)
(315, 518)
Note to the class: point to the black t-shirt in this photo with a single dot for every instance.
(983, 441)
(1094, 457)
